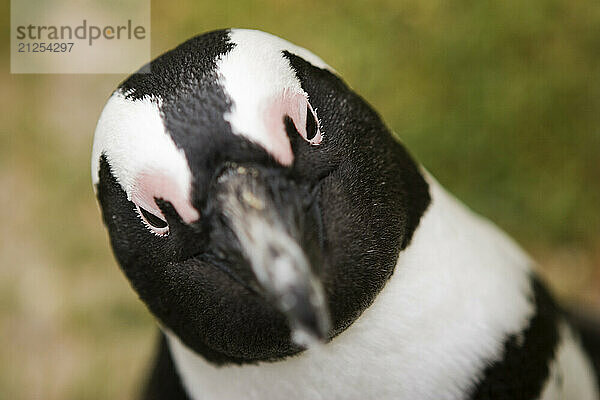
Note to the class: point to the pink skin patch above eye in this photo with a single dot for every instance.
(295, 106)
(151, 185)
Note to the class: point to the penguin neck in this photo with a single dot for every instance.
(457, 291)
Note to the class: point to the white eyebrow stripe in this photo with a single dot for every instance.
(254, 73)
(132, 136)
(254, 40)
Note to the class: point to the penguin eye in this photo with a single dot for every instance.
(311, 124)
(310, 129)
(155, 224)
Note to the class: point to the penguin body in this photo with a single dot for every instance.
(259, 206)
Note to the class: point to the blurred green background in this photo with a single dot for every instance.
(499, 100)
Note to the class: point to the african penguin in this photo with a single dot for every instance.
(291, 248)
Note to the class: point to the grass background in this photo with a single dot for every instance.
(499, 100)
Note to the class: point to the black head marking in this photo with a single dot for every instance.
(186, 286)
(359, 197)
(181, 71)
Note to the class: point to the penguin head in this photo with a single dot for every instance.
(252, 199)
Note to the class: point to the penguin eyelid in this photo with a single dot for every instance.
(154, 223)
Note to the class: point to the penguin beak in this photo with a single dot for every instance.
(265, 216)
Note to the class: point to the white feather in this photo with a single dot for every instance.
(132, 136)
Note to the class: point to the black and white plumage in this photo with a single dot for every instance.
(257, 205)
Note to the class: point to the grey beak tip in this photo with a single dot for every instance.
(306, 337)
(310, 332)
